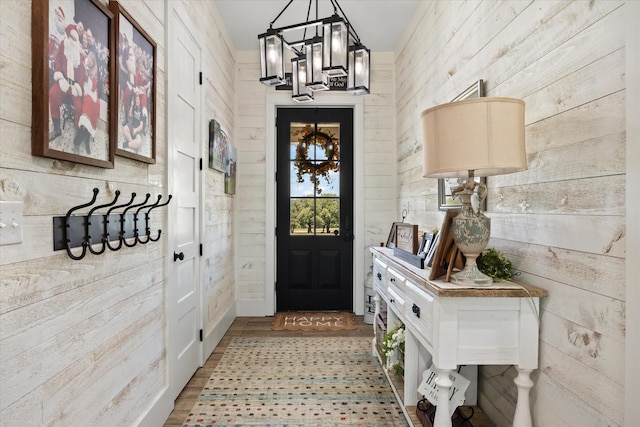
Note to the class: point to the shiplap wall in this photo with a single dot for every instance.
(83, 342)
(378, 179)
(562, 222)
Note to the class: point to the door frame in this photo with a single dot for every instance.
(326, 100)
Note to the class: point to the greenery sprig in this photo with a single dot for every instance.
(494, 264)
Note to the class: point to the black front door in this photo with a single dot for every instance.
(314, 209)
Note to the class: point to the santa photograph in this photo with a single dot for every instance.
(135, 89)
(78, 77)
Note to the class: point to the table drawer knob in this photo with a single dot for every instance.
(416, 310)
(379, 276)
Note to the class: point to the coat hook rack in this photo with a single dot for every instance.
(118, 223)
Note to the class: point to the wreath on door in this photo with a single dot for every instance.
(324, 139)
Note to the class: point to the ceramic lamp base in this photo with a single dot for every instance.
(471, 276)
(471, 231)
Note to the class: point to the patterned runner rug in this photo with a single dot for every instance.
(302, 381)
(297, 321)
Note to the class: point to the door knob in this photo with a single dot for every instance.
(178, 256)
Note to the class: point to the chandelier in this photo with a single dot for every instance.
(330, 50)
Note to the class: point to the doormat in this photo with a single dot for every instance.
(297, 321)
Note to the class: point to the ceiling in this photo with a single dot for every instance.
(379, 23)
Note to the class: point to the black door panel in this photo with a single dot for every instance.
(314, 209)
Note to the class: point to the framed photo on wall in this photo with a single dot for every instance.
(136, 88)
(445, 185)
(73, 65)
(218, 147)
(230, 171)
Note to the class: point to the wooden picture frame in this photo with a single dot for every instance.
(446, 253)
(230, 171)
(445, 200)
(391, 240)
(72, 96)
(218, 147)
(135, 88)
(428, 260)
(407, 237)
(425, 243)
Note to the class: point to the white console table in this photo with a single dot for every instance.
(450, 325)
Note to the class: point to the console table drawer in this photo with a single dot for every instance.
(396, 299)
(380, 275)
(395, 290)
(395, 278)
(419, 309)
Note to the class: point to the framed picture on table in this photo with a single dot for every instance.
(407, 237)
(135, 88)
(445, 254)
(391, 240)
(425, 243)
(73, 65)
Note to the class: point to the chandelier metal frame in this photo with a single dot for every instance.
(334, 50)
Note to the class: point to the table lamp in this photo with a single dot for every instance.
(462, 139)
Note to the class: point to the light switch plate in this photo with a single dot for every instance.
(11, 223)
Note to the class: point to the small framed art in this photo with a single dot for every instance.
(445, 250)
(218, 147)
(407, 237)
(391, 240)
(425, 243)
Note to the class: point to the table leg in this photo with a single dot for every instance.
(443, 417)
(522, 416)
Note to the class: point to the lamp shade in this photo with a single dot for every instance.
(485, 135)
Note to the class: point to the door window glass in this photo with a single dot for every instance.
(314, 197)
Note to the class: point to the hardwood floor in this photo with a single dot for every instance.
(248, 327)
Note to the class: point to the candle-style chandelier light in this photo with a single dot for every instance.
(329, 48)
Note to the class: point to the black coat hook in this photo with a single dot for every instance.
(106, 223)
(147, 218)
(147, 231)
(135, 222)
(66, 228)
(104, 219)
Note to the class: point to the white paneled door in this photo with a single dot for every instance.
(184, 124)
